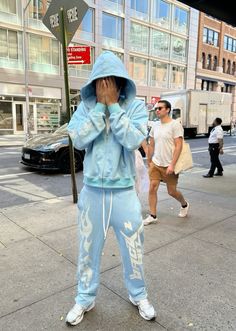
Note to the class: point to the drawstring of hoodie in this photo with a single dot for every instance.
(106, 227)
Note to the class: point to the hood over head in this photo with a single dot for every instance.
(108, 64)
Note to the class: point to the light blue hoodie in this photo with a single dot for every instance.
(109, 134)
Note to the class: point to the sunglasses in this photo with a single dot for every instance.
(159, 108)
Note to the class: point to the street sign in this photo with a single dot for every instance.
(78, 55)
(74, 11)
(154, 100)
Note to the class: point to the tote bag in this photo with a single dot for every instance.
(185, 160)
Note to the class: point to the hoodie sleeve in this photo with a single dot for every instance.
(129, 131)
(84, 126)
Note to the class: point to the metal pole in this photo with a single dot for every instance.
(67, 92)
(26, 67)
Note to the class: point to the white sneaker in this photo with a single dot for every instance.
(184, 211)
(76, 314)
(149, 220)
(146, 309)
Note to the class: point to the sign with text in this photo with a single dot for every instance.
(74, 11)
(78, 55)
(154, 100)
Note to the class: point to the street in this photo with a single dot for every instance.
(189, 263)
(19, 185)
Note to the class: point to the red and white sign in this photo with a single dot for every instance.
(78, 55)
(154, 100)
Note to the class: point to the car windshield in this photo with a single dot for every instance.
(62, 129)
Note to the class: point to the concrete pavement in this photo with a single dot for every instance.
(12, 140)
(190, 264)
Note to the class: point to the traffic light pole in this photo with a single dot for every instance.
(67, 93)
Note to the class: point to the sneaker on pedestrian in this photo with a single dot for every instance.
(146, 309)
(76, 314)
(184, 211)
(218, 174)
(149, 220)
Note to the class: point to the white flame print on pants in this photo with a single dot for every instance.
(134, 246)
(85, 270)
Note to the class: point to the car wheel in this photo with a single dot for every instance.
(64, 161)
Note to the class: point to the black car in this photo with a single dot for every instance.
(51, 152)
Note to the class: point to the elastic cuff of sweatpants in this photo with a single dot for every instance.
(114, 108)
(100, 107)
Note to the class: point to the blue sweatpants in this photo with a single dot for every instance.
(98, 210)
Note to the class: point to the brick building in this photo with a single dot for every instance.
(216, 57)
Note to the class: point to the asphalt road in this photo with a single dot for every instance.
(19, 184)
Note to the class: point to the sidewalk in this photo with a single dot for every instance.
(12, 140)
(190, 264)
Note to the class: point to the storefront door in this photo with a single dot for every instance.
(19, 118)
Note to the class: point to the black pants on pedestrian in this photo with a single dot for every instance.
(215, 162)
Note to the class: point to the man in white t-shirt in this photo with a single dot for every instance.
(166, 140)
(215, 148)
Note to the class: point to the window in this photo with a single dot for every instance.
(208, 64)
(9, 44)
(8, 6)
(227, 88)
(82, 70)
(228, 67)
(139, 9)
(233, 68)
(215, 63)
(178, 49)
(6, 120)
(224, 65)
(38, 8)
(159, 74)
(178, 77)
(161, 13)
(112, 30)
(229, 44)
(86, 28)
(44, 54)
(207, 85)
(114, 5)
(210, 37)
(139, 35)
(203, 60)
(138, 70)
(160, 44)
(180, 20)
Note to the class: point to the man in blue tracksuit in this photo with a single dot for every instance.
(110, 124)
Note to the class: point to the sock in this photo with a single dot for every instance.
(153, 216)
(184, 206)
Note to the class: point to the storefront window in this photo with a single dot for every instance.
(82, 70)
(44, 54)
(8, 6)
(180, 20)
(139, 35)
(6, 120)
(178, 77)
(178, 49)
(159, 74)
(112, 30)
(161, 13)
(139, 9)
(47, 116)
(138, 70)
(160, 44)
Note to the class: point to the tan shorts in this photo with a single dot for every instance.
(159, 173)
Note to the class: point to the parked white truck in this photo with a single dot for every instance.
(197, 109)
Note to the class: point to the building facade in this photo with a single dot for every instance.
(156, 40)
(216, 58)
